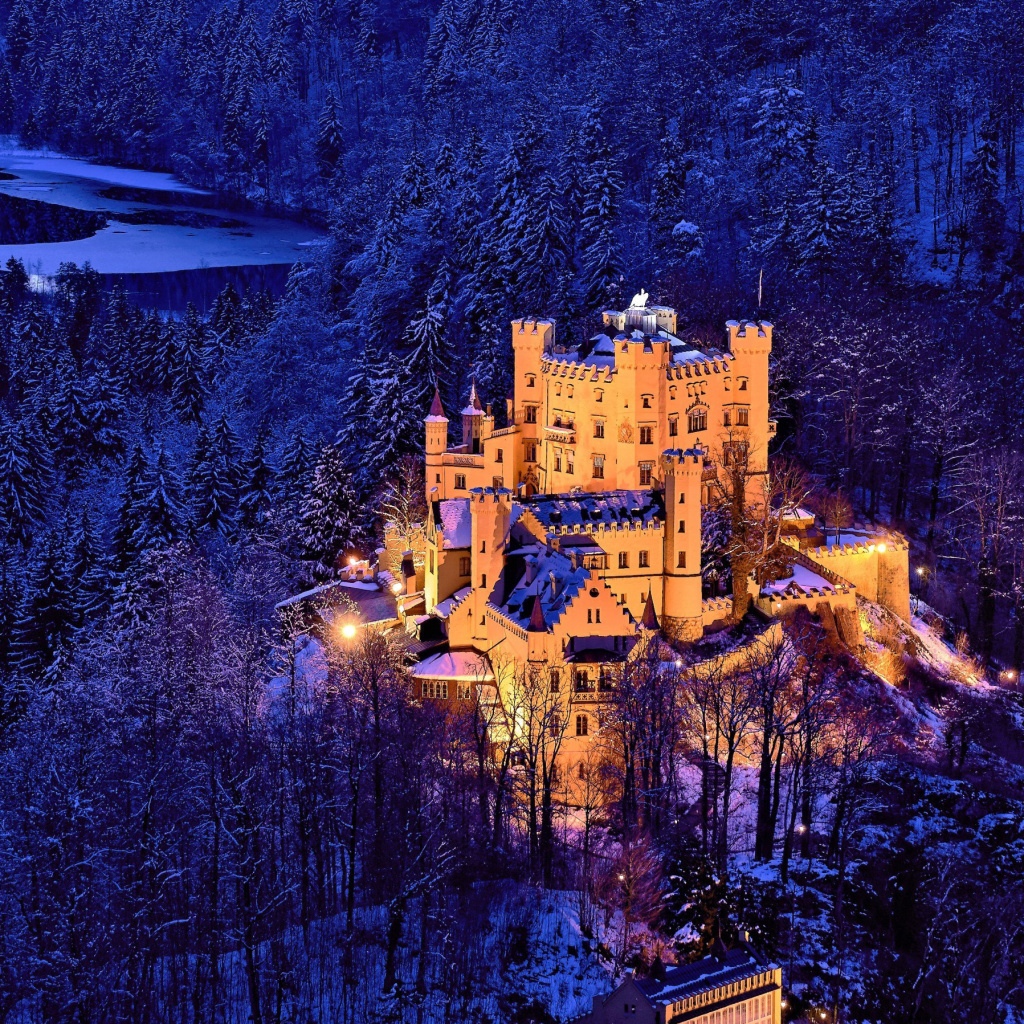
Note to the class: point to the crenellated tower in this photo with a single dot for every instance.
(681, 605)
(490, 513)
(436, 427)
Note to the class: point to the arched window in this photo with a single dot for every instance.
(582, 725)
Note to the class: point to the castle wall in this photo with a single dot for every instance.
(880, 576)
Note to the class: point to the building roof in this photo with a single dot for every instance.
(366, 599)
(649, 619)
(609, 507)
(454, 520)
(540, 603)
(436, 409)
(474, 408)
(454, 665)
(703, 975)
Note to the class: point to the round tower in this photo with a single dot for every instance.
(436, 426)
(681, 605)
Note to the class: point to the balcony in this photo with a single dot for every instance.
(562, 432)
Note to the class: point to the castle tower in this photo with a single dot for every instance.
(531, 341)
(490, 514)
(750, 344)
(473, 423)
(681, 604)
(436, 425)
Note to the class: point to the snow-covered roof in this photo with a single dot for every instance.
(803, 581)
(519, 605)
(704, 975)
(454, 665)
(607, 507)
(444, 608)
(456, 523)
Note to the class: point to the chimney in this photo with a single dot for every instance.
(554, 585)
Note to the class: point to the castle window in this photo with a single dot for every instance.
(582, 725)
(726, 419)
(555, 680)
(623, 559)
(672, 393)
(673, 427)
(599, 395)
(598, 428)
(682, 497)
(568, 391)
(698, 420)
(554, 724)
(483, 547)
(431, 561)
(743, 417)
(558, 462)
(681, 564)
(483, 579)
(558, 388)
(682, 526)
(646, 472)
(438, 478)
(646, 399)
(460, 481)
(464, 568)
(500, 455)
(435, 688)
(497, 482)
(531, 453)
(568, 462)
(582, 770)
(743, 384)
(558, 417)
(531, 414)
(464, 692)
(647, 435)
(531, 380)
(598, 467)
(645, 559)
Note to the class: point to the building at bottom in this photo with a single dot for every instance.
(730, 986)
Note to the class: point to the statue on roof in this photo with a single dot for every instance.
(639, 301)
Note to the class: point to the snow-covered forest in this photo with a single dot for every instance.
(191, 826)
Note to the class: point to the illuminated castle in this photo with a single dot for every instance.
(565, 537)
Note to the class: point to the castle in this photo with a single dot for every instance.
(564, 538)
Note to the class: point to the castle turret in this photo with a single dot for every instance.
(532, 339)
(750, 345)
(681, 605)
(473, 417)
(436, 425)
(490, 514)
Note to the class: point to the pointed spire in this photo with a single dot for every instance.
(436, 408)
(649, 619)
(537, 623)
(474, 399)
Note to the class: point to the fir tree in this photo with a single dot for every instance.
(330, 137)
(257, 478)
(124, 547)
(988, 217)
(49, 618)
(158, 513)
(24, 482)
(329, 524)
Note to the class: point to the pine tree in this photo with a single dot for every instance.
(188, 388)
(49, 618)
(123, 543)
(296, 468)
(395, 423)
(330, 137)
(11, 587)
(330, 514)
(988, 217)
(229, 449)
(158, 513)
(257, 479)
(24, 483)
(823, 226)
(88, 569)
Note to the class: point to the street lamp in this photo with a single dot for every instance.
(396, 588)
(348, 631)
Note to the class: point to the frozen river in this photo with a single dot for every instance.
(168, 242)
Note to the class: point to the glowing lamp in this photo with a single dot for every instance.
(348, 631)
(352, 561)
(396, 588)
(920, 570)
(881, 549)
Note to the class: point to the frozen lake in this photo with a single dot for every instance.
(167, 241)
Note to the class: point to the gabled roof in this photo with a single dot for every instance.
(539, 604)
(609, 507)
